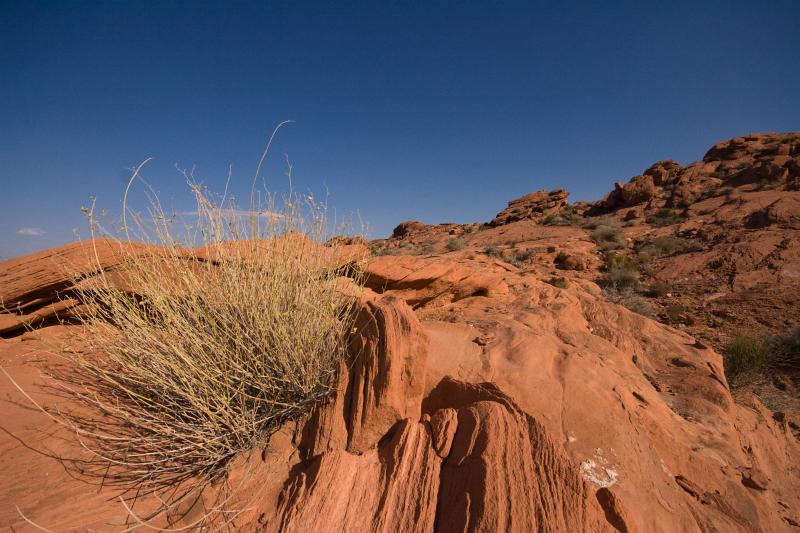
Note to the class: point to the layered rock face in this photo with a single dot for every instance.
(532, 206)
(395, 457)
(500, 403)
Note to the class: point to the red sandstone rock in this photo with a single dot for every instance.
(532, 206)
(500, 402)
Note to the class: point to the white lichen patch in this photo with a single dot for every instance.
(597, 472)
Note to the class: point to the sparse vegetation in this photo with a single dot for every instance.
(205, 348)
(666, 217)
(608, 238)
(559, 282)
(666, 245)
(520, 257)
(384, 249)
(595, 222)
(658, 289)
(493, 251)
(748, 357)
(628, 298)
(565, 217)
(454, 244)
(621, 277)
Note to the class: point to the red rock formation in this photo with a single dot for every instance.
(532, 206)
(482, 398)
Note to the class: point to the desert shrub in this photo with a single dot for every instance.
(596, 222)
(454, 244)
(665, 217)
(786, 350)
(520, 257)
(667, 245)
(747, 356)
(629, 299)
(620, 278)
(427, 247)
(204, 343)
(658, 289)
(621, 273)
(384, 250)
(559, 282)
(565, 217)
(608, 238)
(493, 250)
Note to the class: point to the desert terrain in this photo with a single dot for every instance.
(562, 367)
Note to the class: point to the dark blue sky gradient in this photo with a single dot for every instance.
(427, 110)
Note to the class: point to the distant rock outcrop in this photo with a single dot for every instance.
(532, 206)
(407, 228)
(767, 160)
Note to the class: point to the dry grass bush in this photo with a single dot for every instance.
(666, 245)
(621, 273)
(520, 257)
(593, 222)
(749, 357)
(198, 347)
(628, 298)
(608, 238)
(566, 217)
(493, 251)
(666, 217)
(454, 244)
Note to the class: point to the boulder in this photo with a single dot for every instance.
(640, 189)
(532, 206)
(409, 227)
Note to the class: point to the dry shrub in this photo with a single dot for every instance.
(608, 238)
(667, 245)
(198, 347)
(454, 244)
(748, 357)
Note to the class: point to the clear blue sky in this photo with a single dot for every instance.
(404, 110)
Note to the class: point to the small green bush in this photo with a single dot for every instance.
(565, 217)
(520, 257)
(596, 222)
(667, 245)
(621, 278)
(629, 299)
(746, 357)
(658, 289)
(454, 244)
(608, 238)
(493, 250)
(384, 250)
(666, 217)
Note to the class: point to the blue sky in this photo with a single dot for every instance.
(437, 111)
